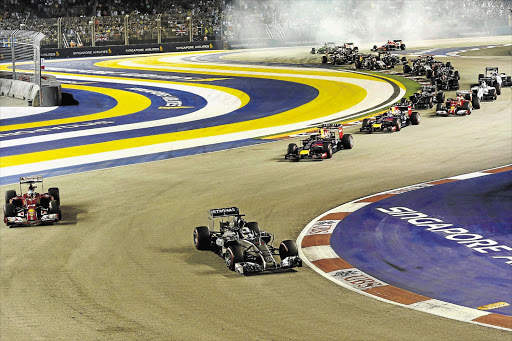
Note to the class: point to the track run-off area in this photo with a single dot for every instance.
(121, 265)
(122, 120)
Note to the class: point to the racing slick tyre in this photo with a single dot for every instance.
(324, 59)
(415, 118)
(234, 254)
(466, 107)
(509, 80)
(374, 48)
(288, 248)
(54, 192)
(475, 102)
(467, 97)
(402, 47)
(498, 88)
(9, 211)
(456, 75)
(430, 102)
(202, 238)
(254, 227)
(448, 64)
(292, 149)
(480, 76)
(9, 195)
(327, 149)
(407, 69)
(429, 74)
(347, 141)
(440, 97)
(396, 124)
(313, 51)
(55, 208)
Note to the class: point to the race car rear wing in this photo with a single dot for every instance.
(31, 179)
(223, 212)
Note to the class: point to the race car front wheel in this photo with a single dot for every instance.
(234, 254)
(288, 248)
(202, 237)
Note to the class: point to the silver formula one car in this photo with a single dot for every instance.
(244, 247)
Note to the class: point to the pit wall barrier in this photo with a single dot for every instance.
(24, 88)
(118, 50)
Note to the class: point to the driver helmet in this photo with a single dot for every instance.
(31, 193)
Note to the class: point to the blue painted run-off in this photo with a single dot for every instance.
(447, 265)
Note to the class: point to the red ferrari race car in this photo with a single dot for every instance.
(329, 140)
(32, 208)
(391, 45)
(461, 105)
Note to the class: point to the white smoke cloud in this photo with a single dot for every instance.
(368, 21)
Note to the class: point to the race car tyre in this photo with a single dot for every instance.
(466, 107)
(54, 192)
(415, 118)
(234, 254)
(407, 69)
(202, 238)
(440, 97)
(456, 75)
(327, 148)
(498, 88)
(347, 141)
(313, 51)
(429, 74)
(467, 97)
(366, 122)
(254, 227)
(9, 210)
(374, 48)
(293, 149)
(430, 102)
(288, 248)
(476, 102)
(402, 47)
(396, 124)
(324, 59)
(54, 206)
(45, 202)
(492, 94)
(449, 64)
(9, 195)
(456, 84)
(439, 106)
(480, 76)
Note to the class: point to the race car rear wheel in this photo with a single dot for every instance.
(324, 59)
(415, 118)
(54, 192)
(254, 227)
(234, 254)
(9, 210)
(429, 74)
(202, 238)
(55, 208)
(347, 141)
(9, 195)
(407, 68)
(440, 97)
(288, 248)
(402, 47)
(430, 102)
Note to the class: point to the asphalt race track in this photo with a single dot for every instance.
(121, 264)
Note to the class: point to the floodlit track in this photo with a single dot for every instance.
(122, 266)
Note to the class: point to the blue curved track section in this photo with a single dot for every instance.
(434, 261)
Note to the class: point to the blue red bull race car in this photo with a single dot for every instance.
(322, 145)
(398, 116)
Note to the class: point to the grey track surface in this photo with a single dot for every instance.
(122, 265)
